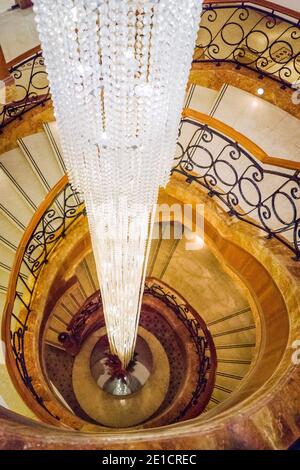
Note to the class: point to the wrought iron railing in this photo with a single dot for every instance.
(50, 224)
(257, 194)
(247, 35)
(203, 343)
(32, 88)
(252, 36)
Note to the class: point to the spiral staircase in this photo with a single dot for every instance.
(220, 320)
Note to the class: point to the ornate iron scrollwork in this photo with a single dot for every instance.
(265, 198)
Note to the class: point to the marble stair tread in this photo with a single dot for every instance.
(7, 256)
(92, 272)
(61, 312)
(2, 302)
(18, 33)
(10, 232)
(17, 168)
(51, 338)
(273, 129)
(52, 133)
(200, 98)
(58, 323)
(85, 280)
(4, 278)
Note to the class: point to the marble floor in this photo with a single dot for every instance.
(18, 32)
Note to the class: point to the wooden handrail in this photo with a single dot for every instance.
(262, 3)
(255, 151)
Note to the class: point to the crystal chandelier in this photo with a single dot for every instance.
(118, 71)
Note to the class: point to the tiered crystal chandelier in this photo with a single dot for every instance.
(118, 71)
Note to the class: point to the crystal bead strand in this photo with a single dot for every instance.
(118, 71)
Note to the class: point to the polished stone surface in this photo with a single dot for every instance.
(117, 411)
(268, 419)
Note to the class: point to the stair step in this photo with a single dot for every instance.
(4, 279)
(7, 256)
(54, 345)
(91, 270)
(235, 337)
(58, 323)
(68, 303)
(242, 351)
(78, 295)
(51, 337)
(62, 313)
(2, 304)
